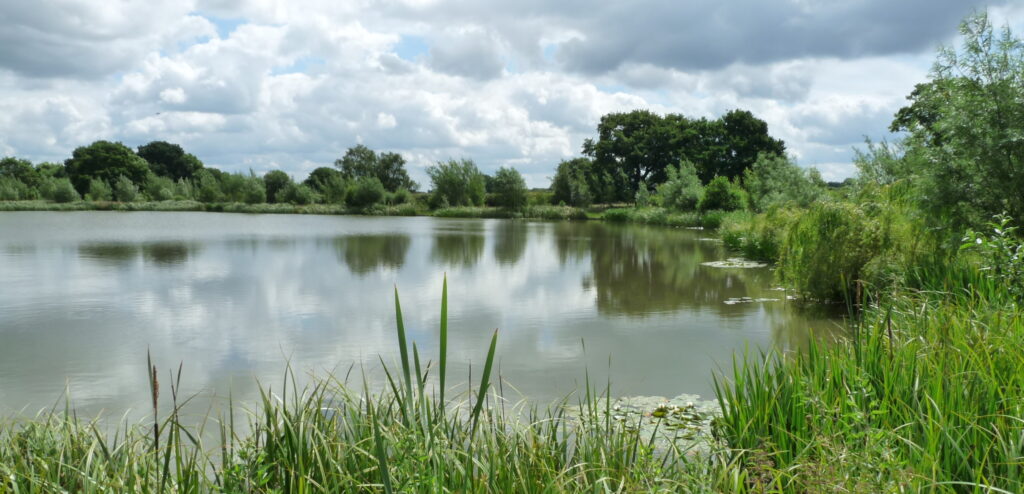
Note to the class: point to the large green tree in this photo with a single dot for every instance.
(169, 160)
(106, 161)
(965, 127)
(639, 146)
(276, 182)
(21, 170)
(362, 162)
(456, 183)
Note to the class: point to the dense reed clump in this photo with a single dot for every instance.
(927, 396)
(331, 437)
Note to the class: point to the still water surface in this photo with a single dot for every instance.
(236, 297)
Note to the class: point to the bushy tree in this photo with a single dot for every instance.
(776, 180)
(299, 194)
(169, 160)
(253, 190)
(329, 183)
(509, 189)
(99, 191)
(723, 194)
(365, 192)
(456, 183)
(11, 189)
(207, 187)
(125, 190)
(577, 183)
(159, 188)
(966, 126)
(106, 161)
(389, 168)
(276, 181)
(63, 191)
(20, 170)
(682, 190)
(640, 146)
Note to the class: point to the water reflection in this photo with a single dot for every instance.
(120, 254)
(112, 253)
(238, 297)
(458, 249)
(510, 241)
(364, 254)
(166, 253)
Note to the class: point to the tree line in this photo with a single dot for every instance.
(637, 157)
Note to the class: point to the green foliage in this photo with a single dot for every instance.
(20, 170)
(99, 191)
(253, 190)
(298, 194)
(643, 196)
(1000, 253)
(775, 180)
(365, 192)
(11, 189)
(169, 160)
(456, 183)
(276, 181)
(125, 190)
(207, 187)
(389, 168)
(105, 161)
(640, 146)
(965, 126)
(400, 196)
(577, 183)
(723, 194)
(329, 183)
(62, 191)
(924, 395)
(159, 188)
(682, 190)
(509, 189)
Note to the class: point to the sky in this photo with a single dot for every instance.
(291, 84)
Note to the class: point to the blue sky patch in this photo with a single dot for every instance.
(412, 47)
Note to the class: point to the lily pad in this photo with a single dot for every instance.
(735, 262)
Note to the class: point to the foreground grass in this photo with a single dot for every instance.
(333, 438)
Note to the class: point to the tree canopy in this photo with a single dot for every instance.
(638, 147)
(964, 149)
(362, 162)
(106, 161)
(169, 160)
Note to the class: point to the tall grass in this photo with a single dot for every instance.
(333, 437)
(927, 396)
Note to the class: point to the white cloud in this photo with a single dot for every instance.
(267, 84)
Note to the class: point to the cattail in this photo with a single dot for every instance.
(155, 387)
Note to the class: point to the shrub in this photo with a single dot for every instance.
(207, 187)
(643, 196)
(125, 190)
(99, 190)
(365, 192)
(682, 191)
(299, 194)
(253, 190)
(12, 189)
(509, 189)
(723, 194)
(63, 191)
(776, 180)
(456, 183)
(400, 196)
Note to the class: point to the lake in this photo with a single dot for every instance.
(237, 298)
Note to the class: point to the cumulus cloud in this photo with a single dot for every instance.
(268, 84)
